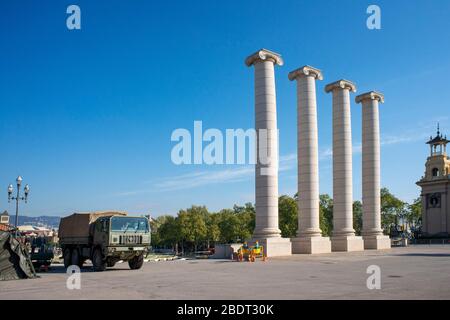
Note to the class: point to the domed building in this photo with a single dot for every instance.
(4, 221)
(435, 186)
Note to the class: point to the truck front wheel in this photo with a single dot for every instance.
(67, 257)
(136, 262)
(97, 260)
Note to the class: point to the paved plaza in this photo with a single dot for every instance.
(416, 272)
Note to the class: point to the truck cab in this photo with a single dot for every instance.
(122, 238)
(105, 239)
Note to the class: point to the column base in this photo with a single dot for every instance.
(311, 245)
(377, 242)
(274, 246)
(347, 243)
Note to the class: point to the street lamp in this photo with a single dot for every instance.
(17, 198)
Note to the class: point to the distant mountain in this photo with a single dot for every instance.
(42, 221)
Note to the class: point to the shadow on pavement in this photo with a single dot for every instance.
(431, 255)
(61, 269)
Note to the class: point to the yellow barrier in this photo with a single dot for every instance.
(250, 254)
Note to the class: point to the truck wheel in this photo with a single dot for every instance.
(136, 262)
(97, 260)
(67, 258)
(76, 257)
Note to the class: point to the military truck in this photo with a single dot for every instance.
(104, 238)
(41, 252)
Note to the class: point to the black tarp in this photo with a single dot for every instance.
(15, 261)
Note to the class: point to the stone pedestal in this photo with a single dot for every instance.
(225, 251)
(377, 242)
(343, 238)
(311, 245)
(309, 236)
(371, 198)
(266, 169)
(275, 246)
(347, 243)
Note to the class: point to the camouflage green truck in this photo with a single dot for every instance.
(104, 238)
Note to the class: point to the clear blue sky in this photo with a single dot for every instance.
(86, 116)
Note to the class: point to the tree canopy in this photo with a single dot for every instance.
(196, 227)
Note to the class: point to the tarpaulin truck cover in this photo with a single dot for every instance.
(76, 226)
(15, 262)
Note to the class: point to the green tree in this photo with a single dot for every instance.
(229, 226)
(288, 217)
(155, 224)
(326, 214)
(248, 207)
(246, 225)
(392, 209)
(414, 214)
(212, 228)
(169, 232)
(357, 217)
(246, 215)
(240, 226)
(193, 225)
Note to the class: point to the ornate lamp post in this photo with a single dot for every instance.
(17, 198)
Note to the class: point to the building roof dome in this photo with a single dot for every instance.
(439, 139)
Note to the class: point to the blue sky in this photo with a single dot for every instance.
(86, 116)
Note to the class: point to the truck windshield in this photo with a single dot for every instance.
(129, 224)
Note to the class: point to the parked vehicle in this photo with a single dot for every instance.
(41, 252)
(104, 238)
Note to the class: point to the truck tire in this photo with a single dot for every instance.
(136, 262)
(67, 257)
(98, 262)
(77, 260)
(111, 263)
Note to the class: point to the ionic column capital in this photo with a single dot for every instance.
(264, 55)
(371, 95)
(304, 72)
(340, 84)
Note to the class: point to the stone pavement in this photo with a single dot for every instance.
(416, 272)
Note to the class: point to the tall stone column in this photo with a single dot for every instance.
(343, 238)
(309, 236)
(371, 198)
(266, 230)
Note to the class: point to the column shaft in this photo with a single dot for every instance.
(266, 172)
(342, 164)
(344, 238)
(371, 230)
(309, 236)
(308, 162)
(266, 231)
(371, 168)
